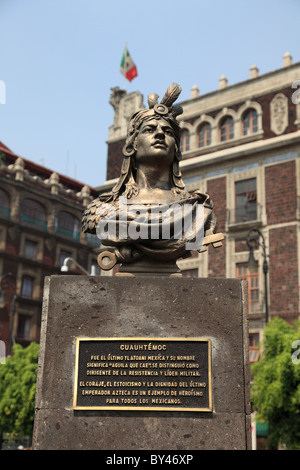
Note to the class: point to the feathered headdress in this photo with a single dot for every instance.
(165, 107)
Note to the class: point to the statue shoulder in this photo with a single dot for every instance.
(95, 210)
(89, 218)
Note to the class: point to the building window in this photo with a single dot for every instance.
(33, 213)
(253, 347)
(30, 249)
(226, 129)
(4, 204)
(27, 287)
(66, 224)
(184, 140)
(245, 200)
(242, 272)
(204, 135)
(250, 122)
(23, 329)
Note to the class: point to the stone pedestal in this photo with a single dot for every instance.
(143, 307)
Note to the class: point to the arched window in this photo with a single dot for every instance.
(250, 122)
(184, 140)
(33, 213)
(204, 135)
(66, 224)
(4, 204)
(226, 129)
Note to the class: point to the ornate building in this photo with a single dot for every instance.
(241, 144)
(40, 225)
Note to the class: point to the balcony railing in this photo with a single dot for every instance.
(33, 220)
(68, 232)
(241, 215)
(93, 239)
(5, 212)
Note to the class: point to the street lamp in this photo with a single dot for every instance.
(65, 267)
(253, 237)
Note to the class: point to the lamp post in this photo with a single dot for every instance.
(253, 238)
(65, 267)
(13, 307)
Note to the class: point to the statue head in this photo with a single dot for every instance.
(165, 110)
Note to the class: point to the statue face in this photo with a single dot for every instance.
(155, 142)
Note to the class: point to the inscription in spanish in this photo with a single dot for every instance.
(143, 374)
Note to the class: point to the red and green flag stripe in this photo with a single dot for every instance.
(128, 67)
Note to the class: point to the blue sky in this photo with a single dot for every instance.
(60, 58)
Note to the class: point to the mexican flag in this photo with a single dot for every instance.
(128, 67)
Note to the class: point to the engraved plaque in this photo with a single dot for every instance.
(156, 374)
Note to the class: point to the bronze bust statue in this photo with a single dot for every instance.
(149, 188)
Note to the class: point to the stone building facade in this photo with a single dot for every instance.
(40, 225)
(241, 144)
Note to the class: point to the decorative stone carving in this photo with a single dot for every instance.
(223, 82)
(124, 106)
(51, 220)
(195, 92)
(85, 194)
(18, 168)
(54, 182)
(279, 113)
(115, 98)
(15, 208)
(253, 71)
(287, 60)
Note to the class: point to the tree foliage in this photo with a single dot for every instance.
(275, 392)
(17, 390)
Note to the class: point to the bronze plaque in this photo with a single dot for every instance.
(156, 374)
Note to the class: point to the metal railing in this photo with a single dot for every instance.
(33, 220)
(247, 213)
(68, 232)
(5, 212)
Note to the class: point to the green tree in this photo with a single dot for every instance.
(17, 390)
(275, 392)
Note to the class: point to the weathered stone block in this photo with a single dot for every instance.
(140, 307)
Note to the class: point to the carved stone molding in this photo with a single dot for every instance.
(279, 113)
(124, 105)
